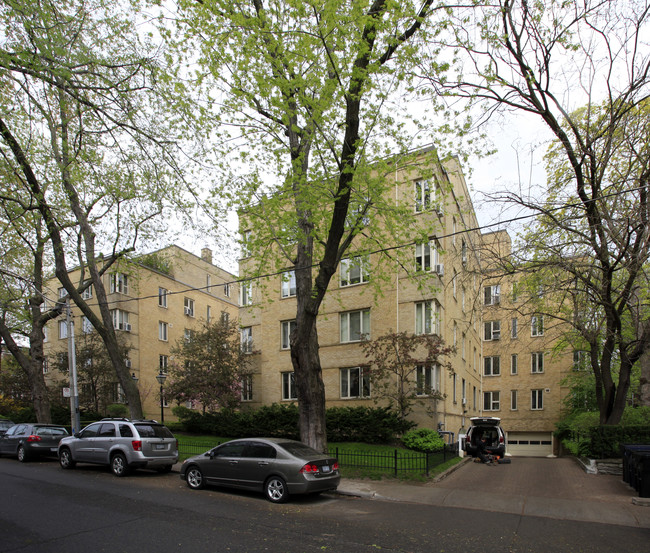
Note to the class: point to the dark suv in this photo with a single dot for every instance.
(490, 428)
(122, 444)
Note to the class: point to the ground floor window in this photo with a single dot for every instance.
(247, 387)
(289, 386)
(355, 382)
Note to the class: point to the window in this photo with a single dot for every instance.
(163, 331)
(188, 307)
(119, 282)
(355, 382)
(247, 387)
(513, 363)
(88, 292)
(287, 328)
(225, 317)
(491, 401)
(162, 297)
(355, 325)
(427, 379)
(455, 337)
(46, 366)
(492, 295)
(63, 329)
(226, 290)
(288, 386)
(462, 298)
(463, 252)
(454, 284)
(580, 360)
(246, 294)
(208, 313)
(163, 363)
(245, 243)
(537, 400)
(188, 334)
(288, 286)
(513, 400)
(537, 325)
(246, 334)
(537, 362)
(427, 257)
(463, 392)
(354, 271)
(513, 329)
(121, 320)
(492, 366)
(86, 325)
(463, 345)
(422, 195)
(492, 330)
(515, 292)
(62, 292)
(427, 317)
(454, 381)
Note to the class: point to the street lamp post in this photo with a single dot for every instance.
(161, 377)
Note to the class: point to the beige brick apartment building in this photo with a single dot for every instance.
(440, 297)
(155, 301)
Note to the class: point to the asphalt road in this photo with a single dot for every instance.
(47, 510)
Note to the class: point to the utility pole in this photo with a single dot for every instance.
(75, 419)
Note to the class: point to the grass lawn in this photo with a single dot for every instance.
(357, 460)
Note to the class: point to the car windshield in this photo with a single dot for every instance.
(153, 431)
(299, 449)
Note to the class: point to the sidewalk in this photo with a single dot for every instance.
(551, 488)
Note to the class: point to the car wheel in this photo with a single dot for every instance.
(194, 478)
(65, 459)
(276, 490)
(22, 454)
(119, 466)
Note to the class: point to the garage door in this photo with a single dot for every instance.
(530, 444)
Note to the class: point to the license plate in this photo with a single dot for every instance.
(159, 446)
(326, 468)
(54, 449)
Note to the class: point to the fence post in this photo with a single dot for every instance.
(395, 462)
(427, 463)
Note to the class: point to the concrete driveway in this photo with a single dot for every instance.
(553, 488)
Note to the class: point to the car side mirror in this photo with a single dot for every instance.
(77, 434)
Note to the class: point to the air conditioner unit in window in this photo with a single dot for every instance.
(188, 311)
(464, 401)
(127, 327)
(497, 300)
(440, 269)
(496, 335)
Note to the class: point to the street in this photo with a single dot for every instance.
(47, 510)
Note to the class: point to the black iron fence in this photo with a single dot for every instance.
(396, 462)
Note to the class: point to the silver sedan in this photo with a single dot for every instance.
(275, 466)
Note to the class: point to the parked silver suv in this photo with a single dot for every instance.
(122, 444)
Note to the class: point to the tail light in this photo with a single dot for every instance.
(335, 466)
(33, 438)
(309, 469)
(501, 440)
(137, 445)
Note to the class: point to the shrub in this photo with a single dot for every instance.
(425, 440)
(117, 410)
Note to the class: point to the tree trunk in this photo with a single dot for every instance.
(644, 382)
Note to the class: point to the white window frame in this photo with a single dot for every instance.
(354, 271)
(360, 378)
(188, 307)
(347, 333)
(286, 327)
(491, 331)
(427, 255)
(86, 325)
(163, 363)
(121, 320)
(537, 362)
(246, 294)
(514, 364)
(163, 331)
(119, 283)
(87, 294)
(514, 328)
(422, 188)
(537, 400)
(492, 365)
(162, 297)
(63, 330)
(226, 289)
(492, 401)
(427, 379)
(288, 284)
(245, 243)
(513, 400)
(246, 339)
(580, 359)
(492, 294)
(288, 386)
(247, 387)
(428, 317)
(537, 325)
